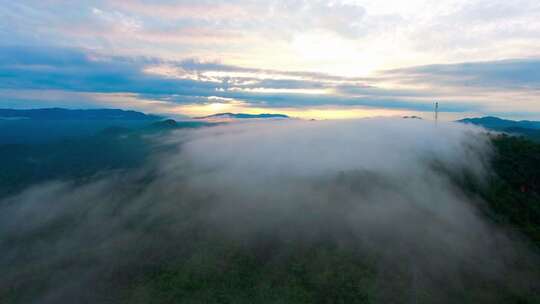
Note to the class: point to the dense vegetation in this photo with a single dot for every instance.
(326, 272)
(514, 192)
(79, 156)
(206, 267)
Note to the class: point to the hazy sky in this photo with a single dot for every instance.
(321, 59)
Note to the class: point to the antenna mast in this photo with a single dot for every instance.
(436, 112)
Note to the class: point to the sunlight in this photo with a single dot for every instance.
(218, 107)
(333, 54)
(316, 112)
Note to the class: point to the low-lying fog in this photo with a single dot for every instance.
(390, 188)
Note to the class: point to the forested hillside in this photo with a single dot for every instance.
(184, 256)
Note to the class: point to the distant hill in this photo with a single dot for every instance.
(170, 124)
(40, 150)
(44, 125)
(242, 116)
(527, 128)
(68, 114)
(499, 124)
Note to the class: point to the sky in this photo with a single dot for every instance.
(308, 59)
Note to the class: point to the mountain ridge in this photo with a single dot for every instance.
(526, 128)
(243, 116)
(74, 114)
(500, 124)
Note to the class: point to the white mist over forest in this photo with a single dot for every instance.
(390, 189)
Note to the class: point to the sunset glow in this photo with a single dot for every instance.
(312, 58)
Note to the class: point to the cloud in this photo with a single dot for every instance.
(481, 87)
(379, 187)
(74, 70)
(505, 74)
(27, 68)
(119, 20)
(366, 36)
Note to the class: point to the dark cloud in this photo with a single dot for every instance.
(74, 70)
(64, 69)
(522, 74)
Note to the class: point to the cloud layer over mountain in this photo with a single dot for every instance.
(389, 188)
